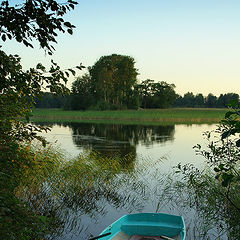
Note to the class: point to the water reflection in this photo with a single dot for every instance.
(112, 139)
(90, 192)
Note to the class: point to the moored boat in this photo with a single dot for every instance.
(145, 226)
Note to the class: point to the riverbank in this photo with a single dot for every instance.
(156, 116)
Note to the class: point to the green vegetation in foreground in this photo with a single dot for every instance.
(173, 115)
(56, 187)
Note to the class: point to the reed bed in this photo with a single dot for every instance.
(155, 116)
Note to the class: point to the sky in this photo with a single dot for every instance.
(194, 44)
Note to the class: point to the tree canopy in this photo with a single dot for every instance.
(112, 84)
(156, 94)
(113, 78)
(82, 93)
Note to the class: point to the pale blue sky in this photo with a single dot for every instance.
(194, 44)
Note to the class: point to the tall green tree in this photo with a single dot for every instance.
(156, 94)
(82, 93)
(164, 94)
(145, 92)
(189, 99)
(113, 78)
(199, 100)
(211, 101)
(32, 20)
(38, 20)
(224, 99)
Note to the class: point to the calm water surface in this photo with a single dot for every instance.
(158, 147)
(175, 142)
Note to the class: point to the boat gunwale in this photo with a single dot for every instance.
(119, 222)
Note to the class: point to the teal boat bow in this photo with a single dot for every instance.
(146, 226)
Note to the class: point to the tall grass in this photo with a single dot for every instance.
(213, 217)
(174, 115)
(27, 169)
(58, 192)
(58, 189)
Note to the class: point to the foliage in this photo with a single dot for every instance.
(102, 105)
(18, 220)
(19, 88)
(156, 94)
(112, 85)
(222, 183)
(210, 101)
(84, 187)
(112, 78)
(50, 100)
(35, 19)
(135, 99)
(32, 20)
(224, 153)
(82, 94)
(204, 206)
(231, 123)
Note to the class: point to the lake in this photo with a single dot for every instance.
(154, 151)
(174, 141)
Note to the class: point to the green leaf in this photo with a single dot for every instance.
(229, 113)
(9, 36)
(72, 71)
(226, 134)
(71, 6)
(4, 37)
(67, 74)
(73, 2)
(70, 31)
(55, 64)
(225, 183)
(68, 24)
(221, 166)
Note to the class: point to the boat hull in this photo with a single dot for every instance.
(146, 226)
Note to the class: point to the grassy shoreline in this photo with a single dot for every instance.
(155, 116)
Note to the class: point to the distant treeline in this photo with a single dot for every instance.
(188, 100)
(111, 84)
(209, 101)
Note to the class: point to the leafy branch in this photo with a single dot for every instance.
(35, 19)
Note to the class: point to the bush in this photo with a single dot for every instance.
(24, 174)
(216, 190)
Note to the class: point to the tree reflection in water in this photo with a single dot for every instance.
(111, 139)
(115, 139)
